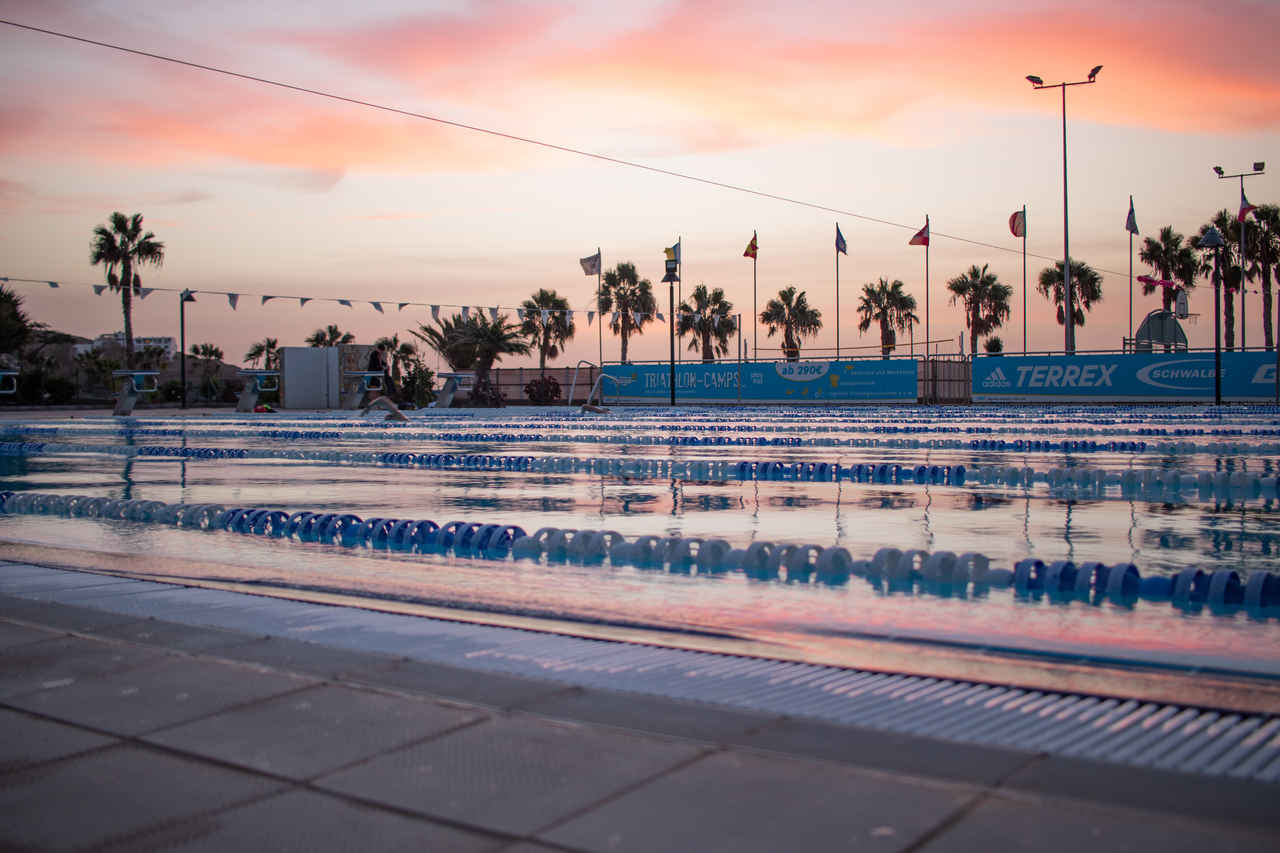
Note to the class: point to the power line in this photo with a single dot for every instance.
(617, 161)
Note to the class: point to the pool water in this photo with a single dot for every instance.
(1163, 489)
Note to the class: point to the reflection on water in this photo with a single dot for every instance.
(1005, 523)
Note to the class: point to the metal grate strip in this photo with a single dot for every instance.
(1167, 736)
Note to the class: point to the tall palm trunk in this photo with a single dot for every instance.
(973, 328)
(708, 353)
(126, 307)
(626, 333)
(1229, 318)
(542, 351)
(884, 335)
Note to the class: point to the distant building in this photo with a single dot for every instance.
(164, 343)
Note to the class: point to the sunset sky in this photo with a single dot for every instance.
(887, 111)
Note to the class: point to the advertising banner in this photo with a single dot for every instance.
(767, 381)
(1138, 377)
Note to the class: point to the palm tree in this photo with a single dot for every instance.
(329, 336)
(1086, 288)
(1229, 228)
(790, 312)
(400, 355)
(986, 302)
(474, 343)
(121, 248)
(630, 297)
(547, 324)
(448, 337)
(16, 326)
(208, 356)
(891, 307)
(1171, 260)
(708, 317)
(266, 350)
(1264, 245)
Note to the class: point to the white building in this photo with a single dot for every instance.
(165, 343)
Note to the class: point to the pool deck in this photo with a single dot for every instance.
(124, 732)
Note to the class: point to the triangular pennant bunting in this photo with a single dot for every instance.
(143, 292)
(591, 315)
(493, 314)
(466, 312)
(53, 284)
(401, 306)
(435, 313)
(303, 300)
(98, 288)
(267, 299)
(546, 315)
(377, 306)
(346, 302)
(233, 298)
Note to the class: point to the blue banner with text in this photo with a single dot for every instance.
(767, 381)
(1186, 376)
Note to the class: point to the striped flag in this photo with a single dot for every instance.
(1245, 207)
(921, 237)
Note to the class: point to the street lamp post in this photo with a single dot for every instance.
(1213, 240)
(1257, 170)
(1068, 295)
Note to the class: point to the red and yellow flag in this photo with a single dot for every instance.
(752, 248)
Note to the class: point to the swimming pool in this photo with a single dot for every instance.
(1171, 492)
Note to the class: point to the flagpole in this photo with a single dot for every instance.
(680, 288)
(926, 291)
(1130, 274)
(837, 298)
(755, 332)
(1024, 279)
(599, 316)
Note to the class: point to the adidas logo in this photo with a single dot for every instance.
(996, 379)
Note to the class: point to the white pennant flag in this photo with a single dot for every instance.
(377, 306)
(267, 299)
(661, 319)
(53, 284)
(401, 306)
(233, 298)
(616, 315)
(435, 313)
(636, 317)
(466, 312)
(98, 288)
(346, 302)
(715, 321)
(143, 292)
(493, 314)
(303, 300)
(546, 315)
(591, 315)
(568, 316)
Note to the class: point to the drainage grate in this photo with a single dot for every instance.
(1131, 732)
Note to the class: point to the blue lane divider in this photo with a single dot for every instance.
(890, 570)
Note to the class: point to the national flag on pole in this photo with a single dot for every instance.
(921, 237)
(752, 247)
(1245, 207)
(841, 246)
(673, 252)
(591, 265)
(1018, 224)
(1131, 224)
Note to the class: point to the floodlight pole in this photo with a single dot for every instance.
(1244, 327)
(1068, 292)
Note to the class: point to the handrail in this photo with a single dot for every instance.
(596, 387)
(574, 384)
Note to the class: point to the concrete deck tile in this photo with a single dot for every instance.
(39, 666)
(17, 635)
(174, 635)
(491, 689)
(897, 753)
(26, 740)
(65, 617)
(1219, 797)
(44, 586)
(306, 822)
(511, 775)
(90, 596)
(90, 799)
(311, 658)
(651, 714)
(1059, 825)
(742, 802)
(162, 693)
(312, 732)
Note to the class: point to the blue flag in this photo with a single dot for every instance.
(1131, 223)
(841, 245)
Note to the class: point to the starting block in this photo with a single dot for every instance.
(255, 382)
(369, 380)
(135, 383)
